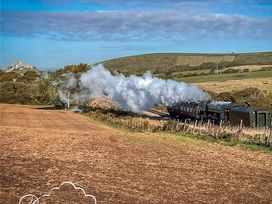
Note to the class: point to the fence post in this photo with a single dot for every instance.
(194, 127)
(241, 124)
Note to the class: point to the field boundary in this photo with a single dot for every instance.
(258, 139)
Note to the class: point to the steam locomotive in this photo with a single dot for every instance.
(217, 111)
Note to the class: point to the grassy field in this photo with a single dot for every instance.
(250, 68)
(263, 84)
(226, 77)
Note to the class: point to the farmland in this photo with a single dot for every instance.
(177, 62)
(263, 84)
(41, 148)
(226, 77)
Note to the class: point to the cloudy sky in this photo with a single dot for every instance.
(53, 33)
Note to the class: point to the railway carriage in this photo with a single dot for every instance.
(217, 111)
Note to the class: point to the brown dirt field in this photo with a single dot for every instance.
(40, 149)
(264, 84)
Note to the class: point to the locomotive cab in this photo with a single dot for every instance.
(219, 111)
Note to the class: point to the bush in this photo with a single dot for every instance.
(7, 76)
(38, 92)
(190, 74)
(245, 70)
(265, 69)
(75, 69)
(252, 96)
(31, 74)
(230, 70)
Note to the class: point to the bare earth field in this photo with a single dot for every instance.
(41, 148)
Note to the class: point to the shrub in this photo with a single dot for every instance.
(230, 70)
(245, 70)
(7, 76)
(38, 92)
(75, 69)
(253, 96)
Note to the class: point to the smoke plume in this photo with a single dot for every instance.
(135, 93)
(66, 86)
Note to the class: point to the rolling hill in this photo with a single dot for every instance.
(249, 70)
(174, 62)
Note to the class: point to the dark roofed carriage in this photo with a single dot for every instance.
(187, 110)
(226, 112)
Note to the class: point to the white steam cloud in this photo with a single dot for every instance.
(66, 86)
(135, 93)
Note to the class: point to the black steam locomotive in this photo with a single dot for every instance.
(217, 111)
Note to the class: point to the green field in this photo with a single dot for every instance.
(225, 77)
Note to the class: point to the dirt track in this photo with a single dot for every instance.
(41, 148)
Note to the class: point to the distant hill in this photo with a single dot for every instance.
(163, 62)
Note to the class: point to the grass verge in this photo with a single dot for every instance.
(243, 145)
(182, 135)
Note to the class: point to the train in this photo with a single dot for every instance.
(221, 112)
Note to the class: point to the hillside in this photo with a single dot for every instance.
(163, 62)
(26, 86)
(30, 86)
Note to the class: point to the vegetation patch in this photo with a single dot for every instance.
(235, 135)
(250, 96)
(26, 86)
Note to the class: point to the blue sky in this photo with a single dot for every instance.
(50, 34)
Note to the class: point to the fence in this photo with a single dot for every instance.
(259, 136)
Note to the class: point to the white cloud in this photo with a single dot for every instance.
(133, 24)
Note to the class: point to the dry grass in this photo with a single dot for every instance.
(264, 84)
(249, 67)
(198, 60)
(259, 136)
